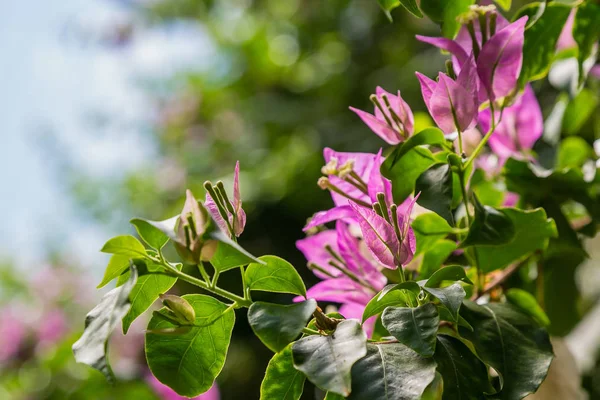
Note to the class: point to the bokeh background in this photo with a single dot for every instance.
(110, 109)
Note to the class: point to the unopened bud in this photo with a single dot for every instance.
(193, 223)
(323, 182)
(330, 168)
(182, 309)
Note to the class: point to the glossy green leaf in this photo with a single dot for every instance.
(512, 343)
(449, 273)
(429, 136)
(275, 275)
(391, 372)
(327, 360)
(125, 245)
(465, 376)
(541, 38)
(282, 381)
(91, 347)
(145, 293)
(528, 304)
(451, 297)
(586, 32)
(116, 266)
(404, 172)
(435, 186)
(408, 285)
(379, 303)
(277, 325)
(189, 363)
(489, 227)
(152, 232)
(229, 254)
(446, 12)
(533, 232)
(413, 327)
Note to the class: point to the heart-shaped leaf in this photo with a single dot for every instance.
(276, 325)
(153, 232)
(190, 363)
(125, 245)
(274, 274)
(327, 360)
(387, 297)
(413, 327)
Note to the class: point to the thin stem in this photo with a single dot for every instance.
(463, 188)
(215, 279)
(484, 141)
(352, 276)
(309, 331)
(242, 302)
(203, 272)
(460, 142)
(244, 286)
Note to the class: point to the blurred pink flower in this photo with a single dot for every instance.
(12, 334)
(52, 327)
(166, 393)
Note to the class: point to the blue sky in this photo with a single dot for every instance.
(54, 72)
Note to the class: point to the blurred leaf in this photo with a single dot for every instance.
(145, 293)
(578, 111)
(125, 245)
(435, 186)
(414, 327)
(379, 303)
(586, 32)
(512, 343)
(505, 4)
(445, 12)
(528, 304)
(541, 38)
(150, 233)
(391, 372)
(451, 297)
(185, 362)
(449, 273)
(429, 228)
(410, 5)
(276, 275)
(533, 232)
(486, 190)
(91, 347)
(464, 375)
(327, 360)
(282, 380)
(404, 173)
(116, 266)
(434, 257)
(573, 152)
(277, 325)
(490, 227)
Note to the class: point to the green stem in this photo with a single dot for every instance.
(203, 272)
(463, 188)
(309, 331)
(484, 141)
(215, 279)
(242, 302)
(244, 286)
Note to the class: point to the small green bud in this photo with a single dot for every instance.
(183, 310)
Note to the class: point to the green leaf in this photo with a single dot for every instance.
(190, 362)
(573, 152)
(333, 396)
(429, 136)
(391, 372)
(505, 4)
(533, 232)
(465, 376)
(586, 32)
(490, 227)
(152, 232)
(429, 228)
(379, 303)
(145, 293)
(449, 273)
(528, 304)
(510, 342)
(327, 360)
(434, 257)
(276, 325)
(410, 5)
(451, 297)
(125, 245)
(274, 275)
(446, 12)
(282, 381)
(435, 186)
(229, 254)
(578, 112)
(91, 347)
(446, 316)
(413, 327)
(540, 38)
(116, 266)
(404, 172)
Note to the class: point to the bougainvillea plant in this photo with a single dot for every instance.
(417, 250)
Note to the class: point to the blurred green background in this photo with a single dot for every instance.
(185, 88)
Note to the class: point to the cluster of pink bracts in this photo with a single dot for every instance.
(371, 232)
